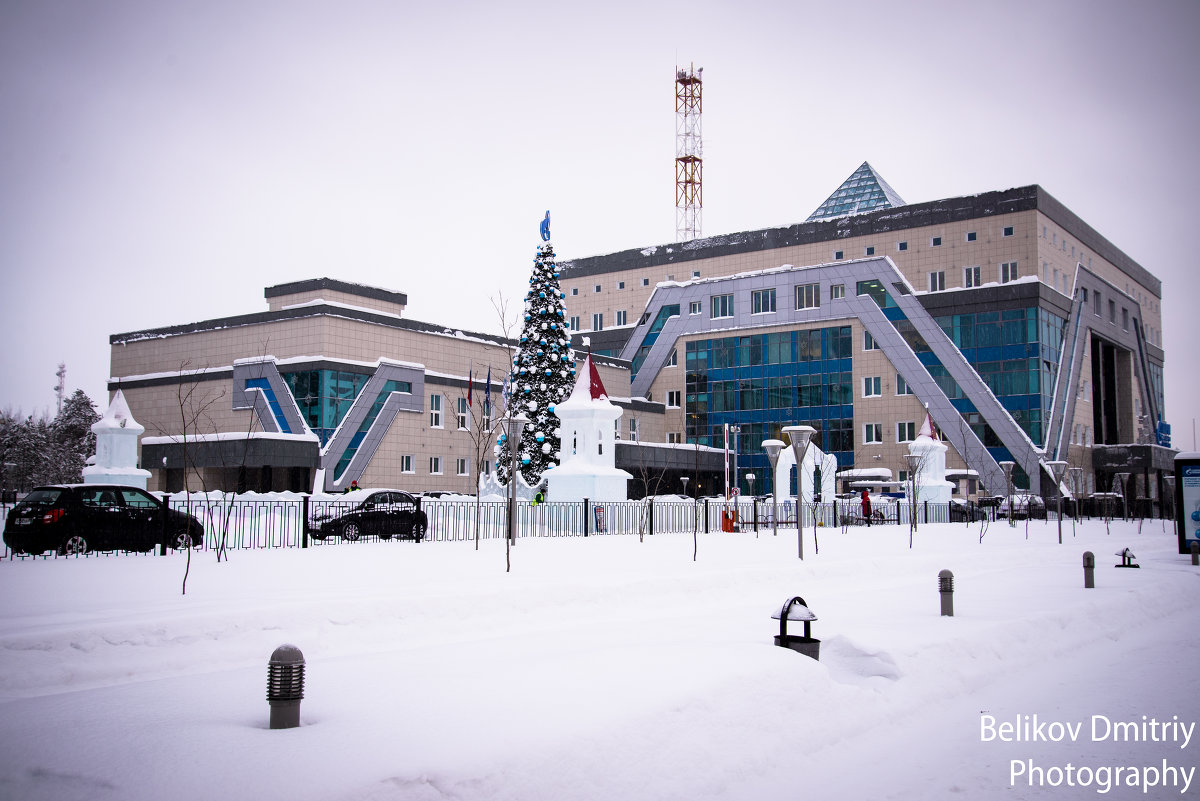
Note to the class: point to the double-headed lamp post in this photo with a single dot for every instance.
(914, 464)
(773, 447)
(800, 436)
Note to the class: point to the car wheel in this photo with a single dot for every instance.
(74, 545)
(182, 539)
(418, 531)
(351, 532)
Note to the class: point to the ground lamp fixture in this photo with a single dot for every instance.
(285, 686)
(800, 436)
(773, 447)
(796, 609)
(1056, 471)
(1007, 467)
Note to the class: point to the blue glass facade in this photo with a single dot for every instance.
(764, 382)
(324, 397)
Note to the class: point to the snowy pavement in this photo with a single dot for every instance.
(602, 668)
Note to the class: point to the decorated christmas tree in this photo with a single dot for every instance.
(543, 371)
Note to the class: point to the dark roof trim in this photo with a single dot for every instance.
(316, 284)
(171, 380)
(261, 318)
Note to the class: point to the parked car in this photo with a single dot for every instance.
(962, 510)
(383, 513)
(1022, 506)
(77, 518)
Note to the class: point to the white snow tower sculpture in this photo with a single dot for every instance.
(587, 466)
(117, 435)
(932, 485)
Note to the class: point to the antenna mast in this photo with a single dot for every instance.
(689, 152)
(62, 384)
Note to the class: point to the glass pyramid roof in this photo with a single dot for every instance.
(863, 191)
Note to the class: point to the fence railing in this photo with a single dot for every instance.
(235, 522)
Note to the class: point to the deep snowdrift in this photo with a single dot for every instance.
(603, 668)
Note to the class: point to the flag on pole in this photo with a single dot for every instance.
(470, 385)
(487, 389)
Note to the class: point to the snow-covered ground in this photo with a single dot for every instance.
(607, 668)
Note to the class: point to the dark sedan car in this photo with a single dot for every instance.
(382, 513)
(77, 518)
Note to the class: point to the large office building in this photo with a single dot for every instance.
(1022, 332)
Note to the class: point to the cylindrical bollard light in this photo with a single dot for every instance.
(1089, 570)
(285, 686)
(946, 589)
(1195, 552)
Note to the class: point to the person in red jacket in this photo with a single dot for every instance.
(866, 507)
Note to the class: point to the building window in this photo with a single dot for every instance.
(870, 250)
(722, 306)
(869, 342)
(672, 399)
(573, 324)
(872, 386)
(620, 285)
(971, 236)
(435, 411)
(935, 241)
(598, 321)
(837, 291)
(435, 465)
(902, 387)
(674, 437)
(1125, 318)
(621, 317)
(645, 282)
(1008, 230)
(1008, 272)
(695, 307)
(762, 301)
(808, 296)
(633, 429)
(406, 463)
(906, 432)
(462, 414)
(970, 276)
(937, 281)
(901, 246)
(574, 290)
(486, 419)
(837, 255)
(695, 273)
(673, 359)
(1096, 303)
(873, 433)
(460, 467)
(1112, 312)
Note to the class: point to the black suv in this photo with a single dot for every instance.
(382, 513)
(77, 518)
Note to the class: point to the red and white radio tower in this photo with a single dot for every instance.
(689, 152)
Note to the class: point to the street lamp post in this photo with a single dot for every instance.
(1007, 467)
(800, 436)
(753, 502)
(1076, 474)
(914, 462)
(514, 425)
(773, 447)
(1057, 469)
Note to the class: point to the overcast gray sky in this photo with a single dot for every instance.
(163, 162)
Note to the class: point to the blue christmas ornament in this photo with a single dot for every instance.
(525, 460)
(552, 408)
(540, 438)
(542, 295)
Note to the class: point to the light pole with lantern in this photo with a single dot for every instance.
(1007, 467)
(773, 447)
(914, 464)
(800, 436)
(1057, 470)
(753, 501)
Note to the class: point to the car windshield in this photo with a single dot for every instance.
(42, 496)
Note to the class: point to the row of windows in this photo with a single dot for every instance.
(645, 282)
(873, 386)
(934, 242)
(972, 276)
(873, 432)
(461, 466)
(461, 415)
(782, 347)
